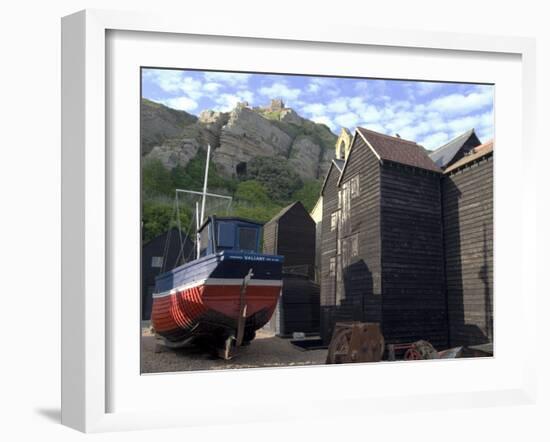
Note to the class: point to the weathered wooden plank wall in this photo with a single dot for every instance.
(361, 274)
(270, 238)
(292, 235)
(467, 196)
(413, 295)
(296, 238)
(328, 251)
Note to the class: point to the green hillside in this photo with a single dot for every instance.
(268, 186)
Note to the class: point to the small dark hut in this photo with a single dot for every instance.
(298, 307)
(291, 233)
(162, 253)
(467, 198)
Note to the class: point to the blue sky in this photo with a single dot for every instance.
(426, 112)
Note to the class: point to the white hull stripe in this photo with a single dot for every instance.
(220, 281)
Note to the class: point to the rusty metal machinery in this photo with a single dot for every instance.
(355, 342)
(413, 351)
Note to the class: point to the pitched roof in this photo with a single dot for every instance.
(284, 210)
(339, 164)
(398, 150)
(443, 155)
(475, 153)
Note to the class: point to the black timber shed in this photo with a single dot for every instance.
(291, 233)
(160, 254)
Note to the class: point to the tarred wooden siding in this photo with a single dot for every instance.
(468, 223)
(328, 250)
(361, 274)
(292, 235)
(414, 305)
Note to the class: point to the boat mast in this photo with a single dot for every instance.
(198, 239)
(205, 183)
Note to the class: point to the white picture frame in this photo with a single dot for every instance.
(86, 212)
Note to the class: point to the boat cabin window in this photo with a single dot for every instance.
(248, 238)
(226, 235)
(236, 235)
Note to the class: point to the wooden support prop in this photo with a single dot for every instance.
(242, 308)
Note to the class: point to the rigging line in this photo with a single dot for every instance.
(182, 249)
(179, 227)
(167, 242)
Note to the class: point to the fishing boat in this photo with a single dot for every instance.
(226, 293)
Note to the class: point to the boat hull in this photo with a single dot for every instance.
(204, 297)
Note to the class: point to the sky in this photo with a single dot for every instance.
(429, 113)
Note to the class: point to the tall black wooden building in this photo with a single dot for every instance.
(162, 253)
(385, 256)
(467, 196)
(291, 233)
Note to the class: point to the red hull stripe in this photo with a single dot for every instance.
(220, 282)
(181, 310)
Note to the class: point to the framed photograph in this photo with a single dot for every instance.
(291, 218)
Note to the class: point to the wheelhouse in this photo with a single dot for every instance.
(230, 234)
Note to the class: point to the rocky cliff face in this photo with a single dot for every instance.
(247, 135)
(160, 123)
(237, 137)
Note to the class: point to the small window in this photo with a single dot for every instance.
(156, 261)
(226, 235)
(332, 266)
(333, 221)
(247, 238)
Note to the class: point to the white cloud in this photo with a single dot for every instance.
(478, 122)
(348, 120)
(323, 119)
(313, 88)
(192, 87)
(370, 114)
(280, 90)
(375, 127)
(486, 134)
(413, 131)
(400, 121)
(168, 80)
(227, 102)
(212, 87)
(459, 104)
(172, 81)
(434, 140)
(361, 86)
(426, 88)
(181, 103)
(338, 105)
(228, 78)
(314, 109)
